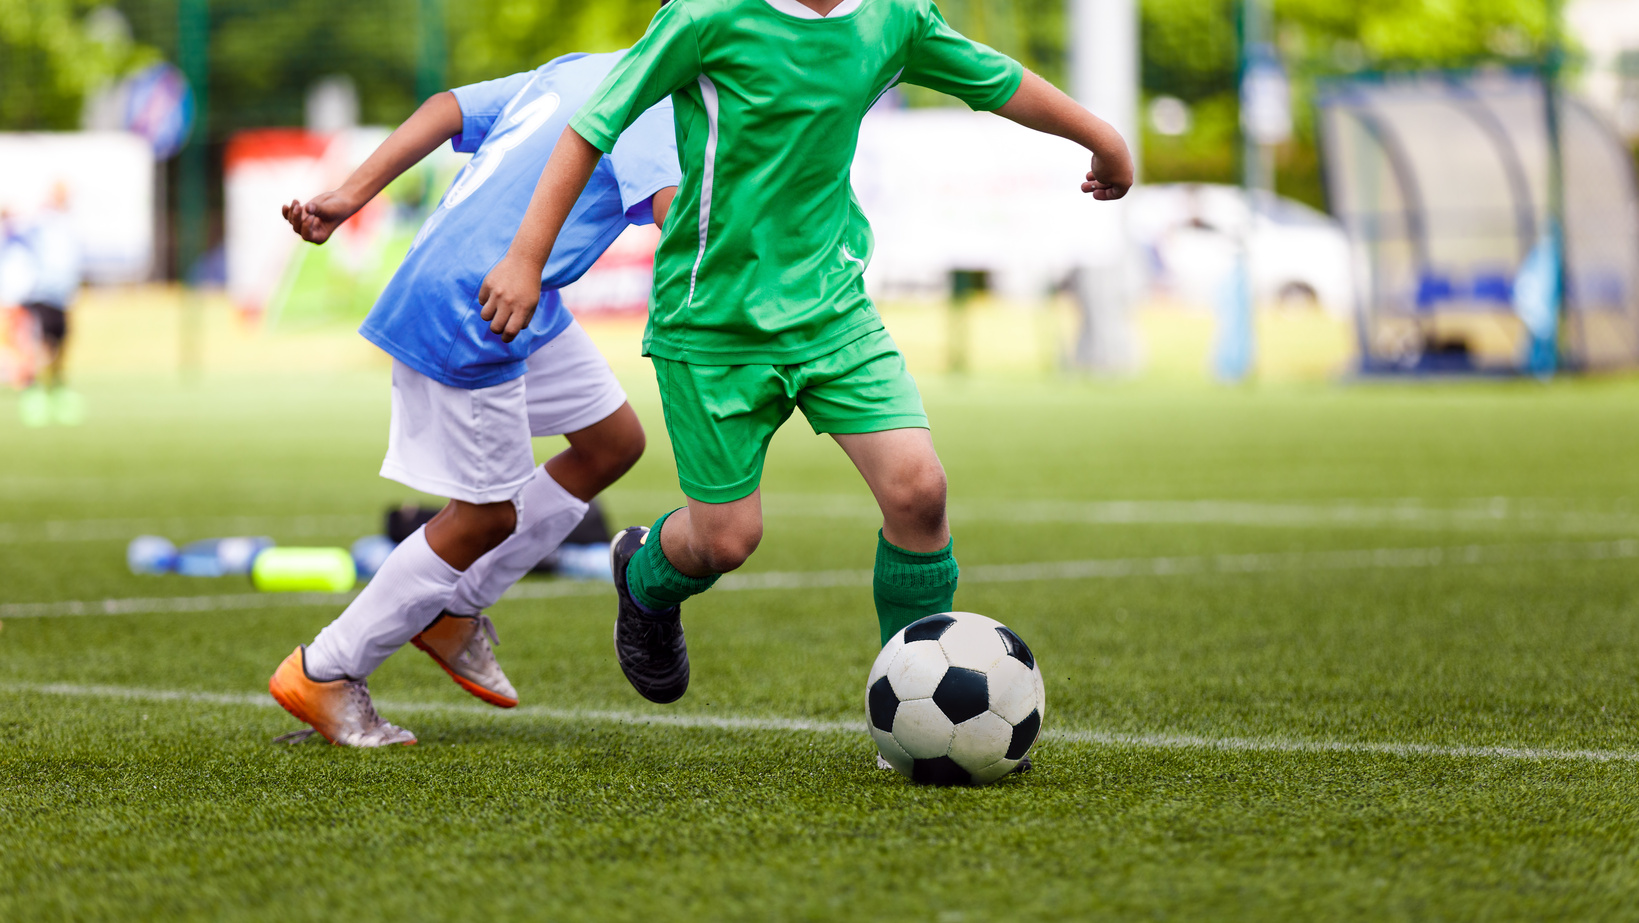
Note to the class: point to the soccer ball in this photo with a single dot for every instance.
(955, 699)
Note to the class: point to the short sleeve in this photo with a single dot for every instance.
(645, 161)
(945, 60)
(481, 104)
(665, 60)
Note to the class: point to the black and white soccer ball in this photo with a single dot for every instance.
(955, 699)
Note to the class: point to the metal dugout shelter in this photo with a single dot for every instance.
(1444, 183)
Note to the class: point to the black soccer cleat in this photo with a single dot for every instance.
(651, 649)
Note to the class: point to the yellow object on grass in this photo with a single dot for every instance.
(304, 570)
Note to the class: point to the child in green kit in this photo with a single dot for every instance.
(759, 306)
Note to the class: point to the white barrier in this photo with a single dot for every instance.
(110, 181)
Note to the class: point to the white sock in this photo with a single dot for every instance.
(549, 514)
(412, 587)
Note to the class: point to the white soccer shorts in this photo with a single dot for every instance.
(473, 444)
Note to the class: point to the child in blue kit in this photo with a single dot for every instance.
(465, 403)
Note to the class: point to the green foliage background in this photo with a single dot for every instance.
(51, 55)
(265, 53)
(1189, 51)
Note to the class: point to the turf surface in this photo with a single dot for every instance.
(1295, 735)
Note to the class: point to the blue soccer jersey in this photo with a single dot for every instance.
(427, 317)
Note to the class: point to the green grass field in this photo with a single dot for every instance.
(1311, 651)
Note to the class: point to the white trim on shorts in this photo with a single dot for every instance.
(474, 444)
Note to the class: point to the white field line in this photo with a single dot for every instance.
(1101, 568)
(107, 530)
(1280, 745)
(1484, 516)
(1485, 513)
(1498, 513)
(156, 605)
(168, 604)
(811, 726)
(1107, 568)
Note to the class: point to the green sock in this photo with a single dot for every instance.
(912, 584)
(654, 582)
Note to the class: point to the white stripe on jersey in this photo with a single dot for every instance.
(708, 94)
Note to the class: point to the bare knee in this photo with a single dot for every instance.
(915, 499)
(727, 549)
(616, 456)
(463, 532)
(600, 454)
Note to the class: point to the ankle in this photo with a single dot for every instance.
(318, 667)
(655, 583)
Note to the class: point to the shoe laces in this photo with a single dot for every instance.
(359, 691)
(657, 634)
(488, 628)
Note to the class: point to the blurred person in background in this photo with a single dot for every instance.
(17, 333)
(53, 249)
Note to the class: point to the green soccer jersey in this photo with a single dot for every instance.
(765, 245)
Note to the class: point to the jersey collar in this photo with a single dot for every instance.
(793, 8)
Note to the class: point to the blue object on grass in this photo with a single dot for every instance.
(150, 554)
(198, 560)
(220, 557)
(585, 562)
(370, 552)
(211, 557)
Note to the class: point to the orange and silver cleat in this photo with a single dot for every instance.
(461, 645)
(340, 710)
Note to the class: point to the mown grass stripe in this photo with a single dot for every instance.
(167, 604)
(104, 530)
(1409, 513)
(1488, 514)
(813, 726)
(1100, 568)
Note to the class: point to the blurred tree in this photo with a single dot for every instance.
(1411, 33)
(54, 52)
(1188, 47)
(1189, 51)
(492, 38)
(265, 54)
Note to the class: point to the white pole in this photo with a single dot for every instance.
(1104, 78)
(1104, 62)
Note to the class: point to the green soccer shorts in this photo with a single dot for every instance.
(721, 417)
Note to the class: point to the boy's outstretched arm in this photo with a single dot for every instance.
(438, 120)
(513, 288)
(1040, 105)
